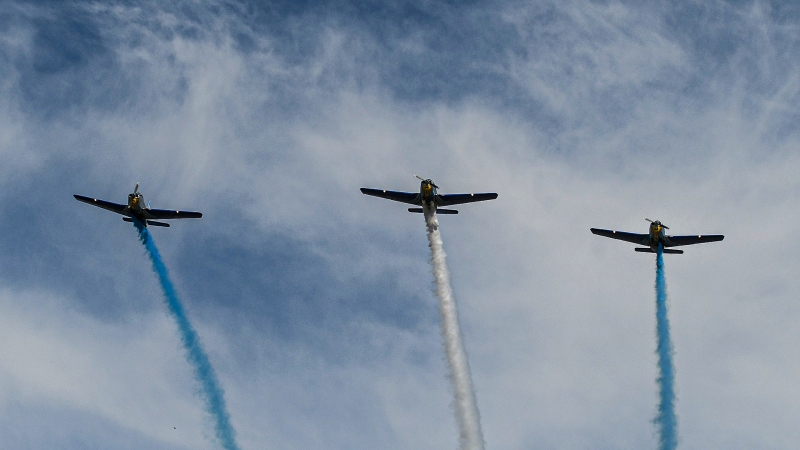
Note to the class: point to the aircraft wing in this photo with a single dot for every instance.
(411, 198)
(172, 214)
(115, 207)
(634, 238)
(457, 199)
(675, 241)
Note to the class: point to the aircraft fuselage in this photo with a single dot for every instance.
(139, 209)
(137, 206)
(657, 234)
(427, 194)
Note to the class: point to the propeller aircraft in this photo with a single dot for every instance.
(139, 210)
(657, 236)
(429, 198)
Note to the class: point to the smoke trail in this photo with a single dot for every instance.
(210, 389)
(666, 421)
(469, 423)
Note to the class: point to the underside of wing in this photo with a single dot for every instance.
(633, 238)
(114, 207)
(404, 197)
(171, 214)
(457, 199)
(675, 241)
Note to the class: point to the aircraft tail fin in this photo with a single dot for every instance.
(666, 250)
(438, 210)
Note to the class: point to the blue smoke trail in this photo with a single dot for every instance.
(666, 421)
(210, 389)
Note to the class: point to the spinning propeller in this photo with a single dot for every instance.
(429, 181)
(657, 222)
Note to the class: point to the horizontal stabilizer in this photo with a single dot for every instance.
(127, 219)
(666, 250)
(162, 224)
(438, 211)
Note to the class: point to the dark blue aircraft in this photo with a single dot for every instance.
(657, 236)
(429, 198)
(139, 210)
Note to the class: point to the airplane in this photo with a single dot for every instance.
(139, 210)
(429, 197)
(656, 237)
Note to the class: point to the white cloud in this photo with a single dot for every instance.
(132, 374)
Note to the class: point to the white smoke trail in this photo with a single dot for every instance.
(469, 422)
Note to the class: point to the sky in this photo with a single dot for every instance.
(315, 302)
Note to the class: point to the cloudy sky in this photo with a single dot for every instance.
(315, 302)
